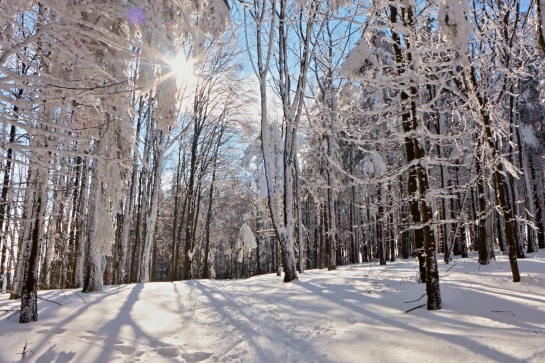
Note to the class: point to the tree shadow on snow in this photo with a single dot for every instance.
(254, 330)
(463, 341)
(52, 356)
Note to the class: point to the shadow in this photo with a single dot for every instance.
(51, 356)
(91, 300)
(462, 341)
(264, 336)
(112, 328)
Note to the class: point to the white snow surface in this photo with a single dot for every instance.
(353, 314)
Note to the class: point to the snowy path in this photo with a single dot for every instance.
(354, 314)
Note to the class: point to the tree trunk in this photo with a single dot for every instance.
(31, 258)
(151, 217)
(31, 250)
(501, 196)
(486, 245)
(407, 124)
(5, 204)
(93, 251)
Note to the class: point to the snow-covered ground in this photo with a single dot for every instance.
(354, 314)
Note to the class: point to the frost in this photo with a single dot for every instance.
(373, 165)
(452, 16)
(510, 168)
(528, 136)
(246, 237)
(348, 95)
(105, 233)
(360, 58)
(216, 16)
(166, 104)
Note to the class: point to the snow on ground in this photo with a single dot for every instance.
(354, 314)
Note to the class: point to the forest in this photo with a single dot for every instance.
(166, 140)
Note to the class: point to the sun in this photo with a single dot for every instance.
(183, 68)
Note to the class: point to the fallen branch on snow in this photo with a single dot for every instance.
(41, 298)
(80, 296)
(25, 351)
(503, 311)
(15, 313)
(408, 302)
(416, 307)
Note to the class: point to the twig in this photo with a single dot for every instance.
(408, 302)
(451, 267)
(25, 350)
(503, 311)
(194, 307)
(416, 307)
(15, 313)
(41, 298)
(80, 296)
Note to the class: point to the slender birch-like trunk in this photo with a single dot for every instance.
(151, 218)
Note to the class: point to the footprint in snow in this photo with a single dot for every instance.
(50, 324)
(56, 331)
(170, 352)
(96, 337)
(93, 338)
(124, 349)
(196, 356)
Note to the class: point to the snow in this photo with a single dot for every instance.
(528, 136)
(246, 236)
(372, 164)
(454, 24)
(353, 314)
(360, 57)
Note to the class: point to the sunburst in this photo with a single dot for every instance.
(183, 69)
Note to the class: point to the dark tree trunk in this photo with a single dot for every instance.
(379, 227)
(4, 204)
(31, 255)
(407, 122)
(536, 183)
(29, 294)
(486, 245)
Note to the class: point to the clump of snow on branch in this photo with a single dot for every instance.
(333, 5)
(373, 165)
(358, 60)
(216, 16)
(246, 237)
(348, 95)
(105, 234)
(245, 241)
(528, 136)
(166, 104)
(453, 22)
